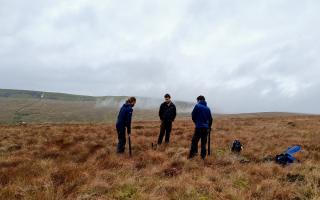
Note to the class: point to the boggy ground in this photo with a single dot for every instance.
(78, 161)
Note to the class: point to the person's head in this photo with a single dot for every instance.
(132, 101)
(167, 98)
(201, 98)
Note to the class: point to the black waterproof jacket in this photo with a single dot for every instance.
(167, 112)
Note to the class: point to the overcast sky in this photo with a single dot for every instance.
(244, 56)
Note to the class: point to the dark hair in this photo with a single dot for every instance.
(167, 96)
(201, 98)
(131, 100)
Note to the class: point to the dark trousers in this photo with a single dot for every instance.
(200, 133)
(121, 140)
(165, 129)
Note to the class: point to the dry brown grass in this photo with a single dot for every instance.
(78, 161)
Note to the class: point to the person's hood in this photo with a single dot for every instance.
(127, 105)
(204, 103)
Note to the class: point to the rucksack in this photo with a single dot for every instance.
(284, 159)
(287, 157)
(236, 146)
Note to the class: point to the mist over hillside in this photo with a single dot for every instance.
(40, 107)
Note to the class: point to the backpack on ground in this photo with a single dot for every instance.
(236, 146)
(287, 157)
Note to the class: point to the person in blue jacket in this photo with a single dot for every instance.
(202, 118)
(124, 123)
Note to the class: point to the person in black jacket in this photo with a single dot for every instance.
(167, 114)
(124, 123)
(202, 118)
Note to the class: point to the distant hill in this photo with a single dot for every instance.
(41, 107)
(263, 114)
(48, 107)
(8, 93)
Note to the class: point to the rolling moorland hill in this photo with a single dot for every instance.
(46, 107)
(66, 150)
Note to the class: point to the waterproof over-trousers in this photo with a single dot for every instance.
(200, 133)
(121, 140)
(165, 129)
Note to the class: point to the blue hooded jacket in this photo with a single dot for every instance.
(124, 117)
(201, 115)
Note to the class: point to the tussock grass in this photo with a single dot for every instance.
(78, 161)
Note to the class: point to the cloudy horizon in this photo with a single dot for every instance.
(248, 56)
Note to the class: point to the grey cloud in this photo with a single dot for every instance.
(244, 56)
